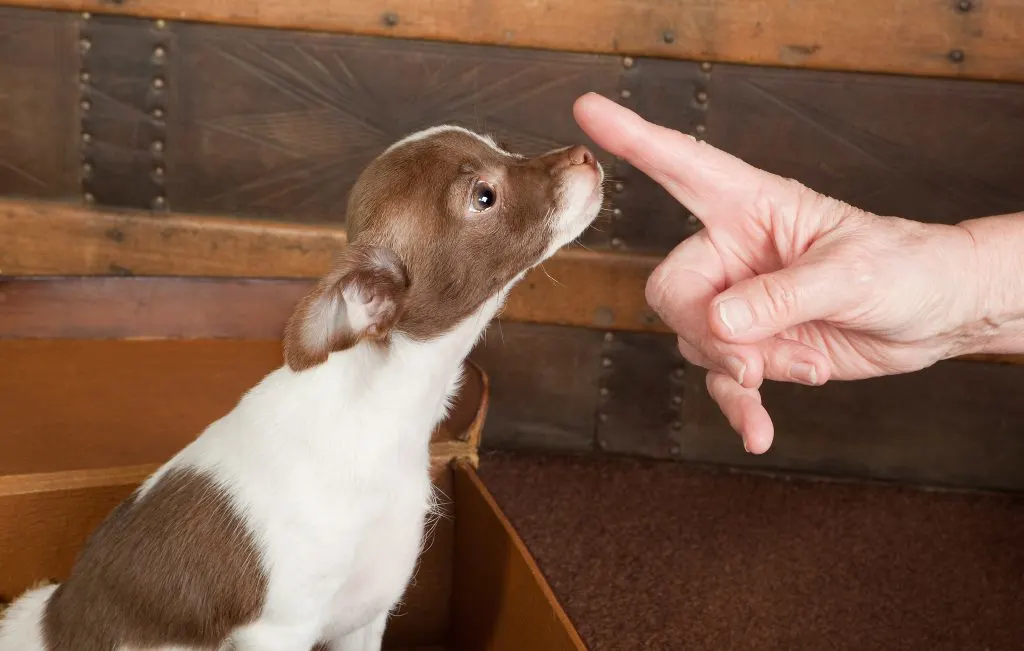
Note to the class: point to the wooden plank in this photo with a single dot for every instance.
(980, 39)
(307, 112)
(927, 149)
(124, 100)
(576, 287)
(543, 383)
(74, 405)
(38, 102)
(501, 600)
(45, 520)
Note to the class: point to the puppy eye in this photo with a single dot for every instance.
(483, 197)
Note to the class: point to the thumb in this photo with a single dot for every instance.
(765, 305)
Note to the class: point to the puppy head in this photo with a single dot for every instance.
(439, 223)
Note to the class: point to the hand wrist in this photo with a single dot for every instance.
(997, 280)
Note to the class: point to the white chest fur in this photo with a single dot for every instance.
(330, 468)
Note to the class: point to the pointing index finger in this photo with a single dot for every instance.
(695, 173)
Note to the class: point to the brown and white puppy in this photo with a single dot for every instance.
(296, 519)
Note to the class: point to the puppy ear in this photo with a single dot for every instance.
(361, 298)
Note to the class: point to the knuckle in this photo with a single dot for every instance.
(780, 297)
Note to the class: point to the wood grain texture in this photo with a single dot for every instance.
(576, 287)
(543, 382)
(38, 104)
(42, 529)
(124, 111)
(501, 600)
(927, 149)
(307, 112)
(77, 404)
(915, 37)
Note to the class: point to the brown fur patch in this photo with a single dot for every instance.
(178, 566)
(416, 201)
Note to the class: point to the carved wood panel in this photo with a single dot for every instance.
(38, 113)
(932, 150)
(281, 123)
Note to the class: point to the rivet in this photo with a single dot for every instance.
(956, 56)
(676, 401)
(676, 450)
(86, 137)
(88, 197)
(691, 218)
(617, 212)
(625, 94)
(84, 44)
(601, 444)
(158, 172)
(84, 76)
(86, 15)
(157, 146)
(609, 338)
(620, 186)
(604, 392)
(158, 83)
(159, 202)
(678, 373)
(965, 5)
(158, 113)
(616, 242)
(606, 363)
(702, 96)
(161, 23)
(603, 417)
(87, 168)
(705, 66)
(85, 105)
(159, 52)
(668, 36)
(627, 62)
(676, 425)
(700, 129)
(390, 19)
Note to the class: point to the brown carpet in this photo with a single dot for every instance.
(648, 555)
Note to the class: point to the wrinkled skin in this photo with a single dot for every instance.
(784, 283)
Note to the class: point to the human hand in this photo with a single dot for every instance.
(784, 283)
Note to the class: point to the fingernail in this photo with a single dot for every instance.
(804, 373)
(736, 315)
(737, 369)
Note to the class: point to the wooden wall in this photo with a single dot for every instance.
(198, 154)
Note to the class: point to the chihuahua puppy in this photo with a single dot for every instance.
(296, 520)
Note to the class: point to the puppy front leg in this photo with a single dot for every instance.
(367, 638)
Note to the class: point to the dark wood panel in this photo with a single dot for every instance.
(544, 383)
(38, 104)
(922, 37)
(641, 394)
(933, 150)
(124, 108)
(645, 217)
(955, 424)
(281, 123)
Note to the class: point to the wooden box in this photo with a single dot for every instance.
(84, 421)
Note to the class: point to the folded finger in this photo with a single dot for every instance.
(743, 409)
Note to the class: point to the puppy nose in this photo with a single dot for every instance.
(580, 155)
